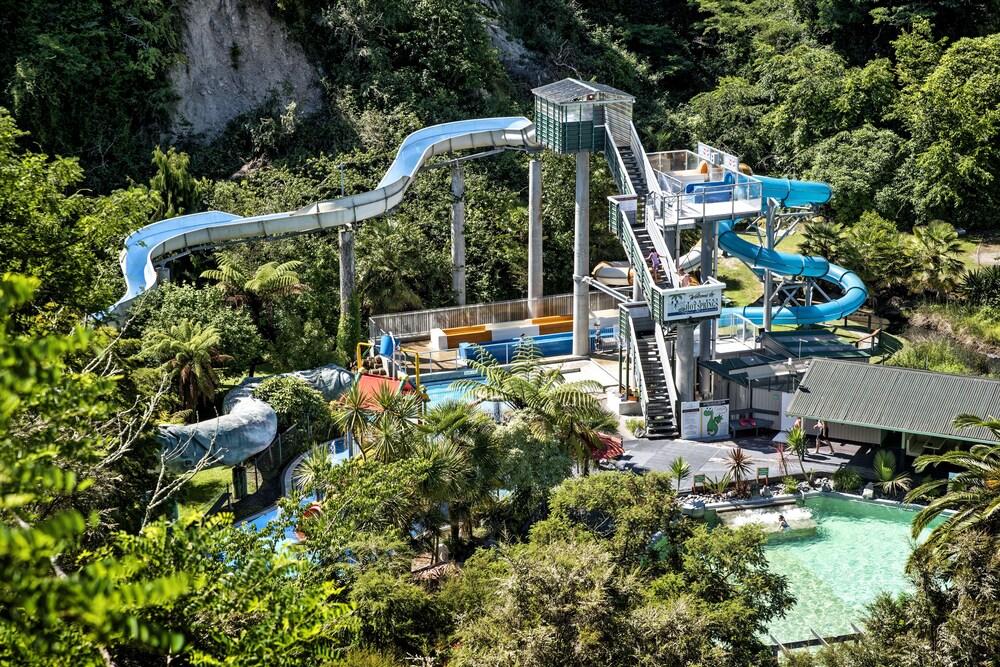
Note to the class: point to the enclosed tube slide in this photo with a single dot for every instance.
(200, 230)
(249, 424)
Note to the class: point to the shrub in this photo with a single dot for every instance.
(635, 425)
(296, 403)
(789, 485)
(846, 479)
(981, 287)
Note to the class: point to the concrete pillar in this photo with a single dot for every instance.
(458, 233)
(346, 244)
(636, 289)
(768, 280)
(706, 326)
(535, 237)
(685, 361)
(581, 257)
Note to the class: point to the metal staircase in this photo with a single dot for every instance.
(646, 351)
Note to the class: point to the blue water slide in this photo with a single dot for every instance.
(792, 193)
(201, 230)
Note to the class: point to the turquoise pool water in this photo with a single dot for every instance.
(440, 391)
(858, 550)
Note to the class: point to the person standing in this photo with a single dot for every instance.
(654, 259)
(683, 279)
(823, 433)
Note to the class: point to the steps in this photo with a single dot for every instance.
(660, 421)
(658, 409)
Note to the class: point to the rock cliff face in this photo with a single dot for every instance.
(237, 56)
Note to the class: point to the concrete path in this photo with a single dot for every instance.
(709, 458)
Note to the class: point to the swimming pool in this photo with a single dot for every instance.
(858, 550)
(339, 454)
(439, 391)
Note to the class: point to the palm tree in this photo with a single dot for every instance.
(383, 283)
(189, 351)
(934, 253)
(395, 423)
(259, 292)
(313, 471)
(799, 445)
(739, 466)
(823, 239)
(553, 407)
(353, 417)
(680, 469)
(973, 494)
(885, 472)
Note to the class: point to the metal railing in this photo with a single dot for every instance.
(414, 325)
(647, 170)
(661, 348)
(733, 326)
(618, 170)
(631, 309)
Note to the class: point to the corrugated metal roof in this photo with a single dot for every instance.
(899, 399)
(574, 90)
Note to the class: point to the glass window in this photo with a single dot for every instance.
(573, 113)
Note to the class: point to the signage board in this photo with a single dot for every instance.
(705, 420)
(687, 302)
(717, 157)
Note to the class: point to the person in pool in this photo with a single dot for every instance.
(782, 523)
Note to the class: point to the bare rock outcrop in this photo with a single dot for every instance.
(238, 55)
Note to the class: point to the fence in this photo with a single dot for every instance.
(418, 324)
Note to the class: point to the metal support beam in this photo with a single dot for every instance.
(535, 237)
(345, 241)
(581, 257)
(458, 233)
(685, 360)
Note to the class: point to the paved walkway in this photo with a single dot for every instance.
(709, 458)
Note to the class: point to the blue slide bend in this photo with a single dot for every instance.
(793, 193)
(199, 230)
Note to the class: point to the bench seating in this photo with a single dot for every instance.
(754, 425)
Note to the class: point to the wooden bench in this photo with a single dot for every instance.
(553, 324)
(473, 334)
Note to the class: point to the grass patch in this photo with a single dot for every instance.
(202, 490)
(743, 286)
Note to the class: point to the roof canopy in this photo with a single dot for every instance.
(574, 90)
(897, 399)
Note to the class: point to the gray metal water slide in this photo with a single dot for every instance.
(249, 424)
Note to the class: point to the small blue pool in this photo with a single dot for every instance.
(339, 453)
(439, 391)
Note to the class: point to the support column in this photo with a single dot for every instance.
(706, 326)
(581, 257)
(162, 274)
(685, 361)
(458, 233)
(346, 244)
(535, 237)
(768, 280)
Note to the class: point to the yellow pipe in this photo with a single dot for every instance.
(416, 363)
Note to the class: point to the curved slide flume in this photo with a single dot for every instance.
(199, 230)
(250, 424)
(793, 193)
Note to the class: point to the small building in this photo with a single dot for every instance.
(895, 407)
(572, 116)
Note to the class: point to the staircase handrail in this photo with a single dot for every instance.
(652, 184)
(617, 166)
(661, 347)
(636, 359)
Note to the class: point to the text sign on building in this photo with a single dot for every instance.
(705, 420)
(688, 302)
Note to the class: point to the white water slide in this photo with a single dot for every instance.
(174, 236)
